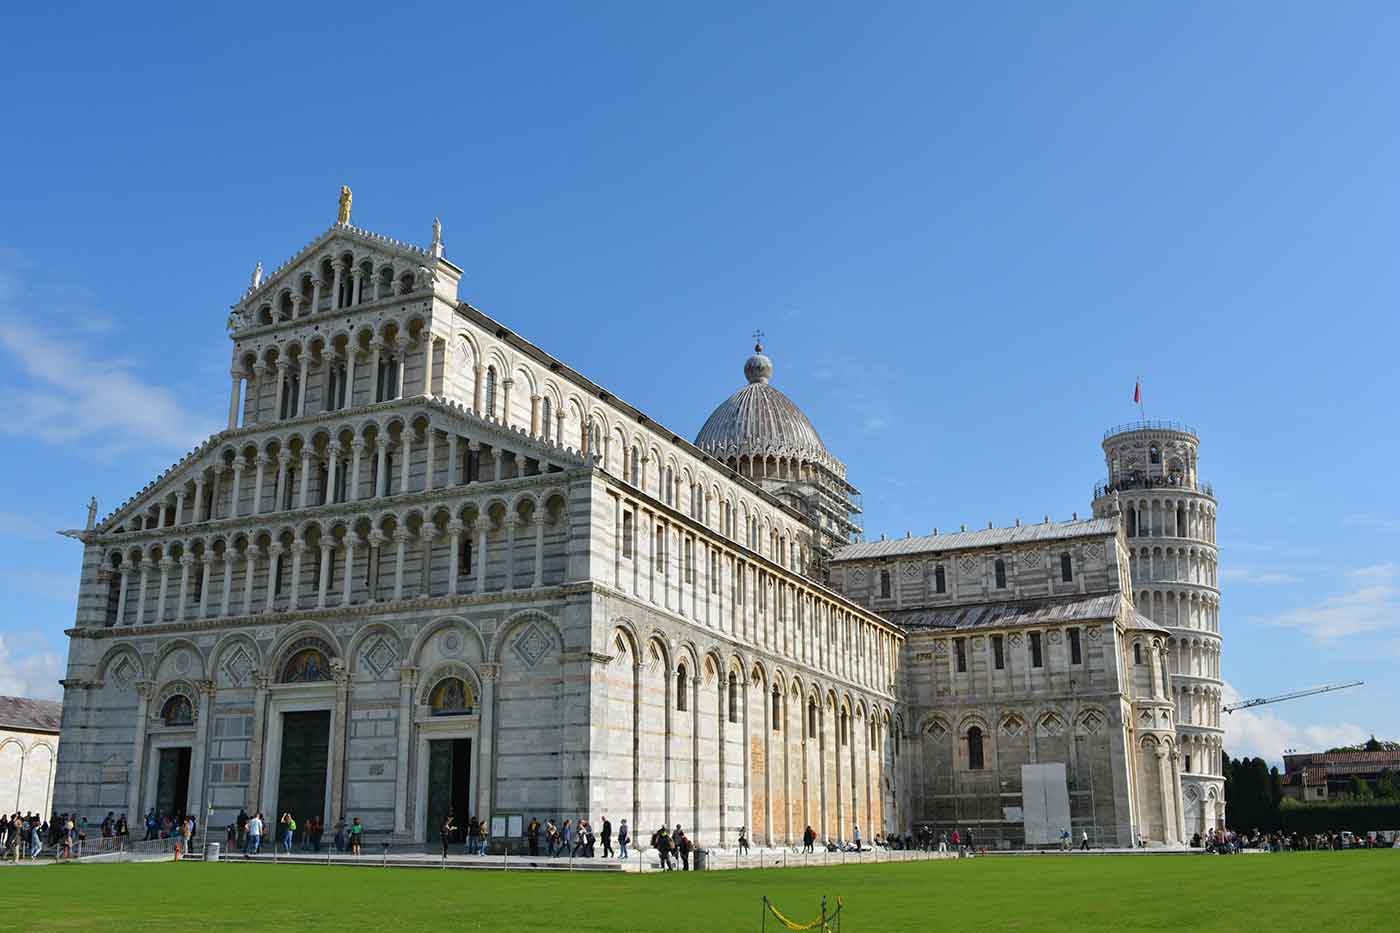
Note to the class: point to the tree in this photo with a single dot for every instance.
(1359, 788)
(1386, 785)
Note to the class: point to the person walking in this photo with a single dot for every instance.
(743, 840)
(623, 837)
(288, 827)
(242, 829)
(357, 831)
(566, 836)
(684, 847)
(253, 839)
(808, 837)
(662, 843)
(532, 836)
(448, 828)
(1084, 840)
(606, 836)
(855, 831)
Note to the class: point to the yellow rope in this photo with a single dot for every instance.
(822, 922)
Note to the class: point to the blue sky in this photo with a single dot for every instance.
(966, 232)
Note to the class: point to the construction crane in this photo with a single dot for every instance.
(1311, 691)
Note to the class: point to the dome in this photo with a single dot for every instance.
(761, 421)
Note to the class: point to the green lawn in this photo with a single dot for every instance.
(1336, 891)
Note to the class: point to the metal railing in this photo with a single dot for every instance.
(1146, 425)
(1142, 481)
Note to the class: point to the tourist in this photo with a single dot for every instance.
(36, 839)
(808, 838)
(357, 831)
(661, 842)
(623, 837)
(123, 832)
(606, 836)
(152, 824)
(187, 832)
(580, 839)
(957, 842)
(342, 842)
(1064, 840)
(943, 843)
(855, 833)
(253, 838)
(242, 828)
(970, 843)
(285, 826)
(684, 847)
(1084, 840)
(448, 828)
(107, 829)
(532, 836)
(743, 840)
(551, 837)
(473, 830)
(566, 836)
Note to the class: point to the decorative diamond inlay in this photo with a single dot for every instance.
(182, 661)
(379, 656)
(123, 672)
(532, 644)
(238, 666)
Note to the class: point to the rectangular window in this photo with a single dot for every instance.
(740, 579)
(960, 646)
(660, 546)
(627, 534)
(1075, 657)
(999, 651)
(1037, 660)
(689, 560)
(464, 556)
(884, 584)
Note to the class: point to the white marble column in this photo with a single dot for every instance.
(400, 543)
(407, 678)
(199, 755)
(165, 565)
(302, 378)
(426, 339)
(332, 463)
(279, 495)
(348, 584)
(261, 461)
(125, 573)
(481, 554)
(281, 389)
(305, 489)
(406, 444)
(233, 399)
(274, 561)
(485, 754)
(400, 365)
(327, 554)
(250, 570)
(205, 569)
(454, 536)
(538, 522)
(181, 607)
(511, 522)
(357, 448)
(298, 550)
(381, 472)
(228, 580)
(351, 352)
(451, 459)
(430, 456)
(138, 762)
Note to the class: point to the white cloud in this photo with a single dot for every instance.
(1254, 575)
(72, 393)
(1262, 733)
(1372, 603)
(31, 675)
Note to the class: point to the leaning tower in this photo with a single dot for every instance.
(1168, 517)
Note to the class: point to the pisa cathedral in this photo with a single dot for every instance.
(428, 566)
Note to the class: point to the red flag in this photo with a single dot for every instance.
(1137, 393)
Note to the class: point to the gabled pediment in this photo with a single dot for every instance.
(345, 261)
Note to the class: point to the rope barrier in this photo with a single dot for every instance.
(822, 923)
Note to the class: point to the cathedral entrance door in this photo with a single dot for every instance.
(449, 786)
(301, 780)
(173, 782)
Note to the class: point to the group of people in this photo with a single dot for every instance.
(29, 834)
(1229, 842)
(475, 835)
(247, 834)
(674, 847)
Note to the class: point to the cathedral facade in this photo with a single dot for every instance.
(429, 567)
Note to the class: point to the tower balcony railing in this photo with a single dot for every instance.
(1137, 480)
(1145, 425)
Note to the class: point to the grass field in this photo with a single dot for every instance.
(1337, 891)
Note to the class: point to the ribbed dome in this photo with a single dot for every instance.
(759, 420)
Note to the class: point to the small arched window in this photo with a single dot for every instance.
(884, 584)
(490, 391)
(1001, 573)
(975, 761)
(940, 580)
(669, 493)
(1154, 455)
(1137, 652)
(777, 711)
(1130, 518)
(1066, 568)
(733, 698)
(845, 727)
(812, 719)
(547, 417)
(681, 680)
(177, 711)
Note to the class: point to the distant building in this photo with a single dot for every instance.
(28, 748)
(1322, 775)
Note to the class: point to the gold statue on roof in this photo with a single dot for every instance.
(345, 198)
